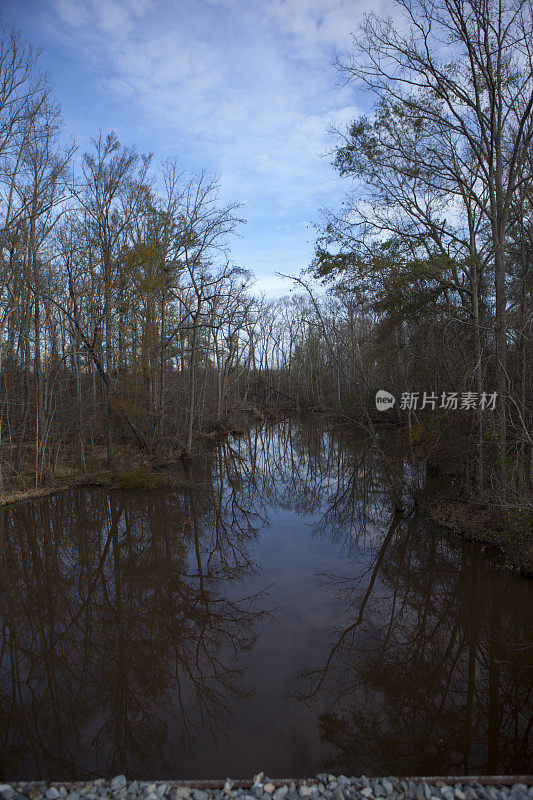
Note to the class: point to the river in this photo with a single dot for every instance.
(271, 615)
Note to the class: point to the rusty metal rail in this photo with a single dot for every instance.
(484, 780)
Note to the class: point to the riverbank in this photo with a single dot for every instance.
(326, 786)
(134, 469)
(472, 520)
(474, 523)
(130, 473)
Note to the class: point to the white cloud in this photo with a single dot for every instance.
(72, 12)
(314, 23)
(242, 88)
(111, 17)
(273, 285)
(251, 122)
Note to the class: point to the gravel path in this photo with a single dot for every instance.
(262, 787)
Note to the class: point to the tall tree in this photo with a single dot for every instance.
(458, 75)
(113, 184)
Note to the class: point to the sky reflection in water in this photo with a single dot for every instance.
(271, 617)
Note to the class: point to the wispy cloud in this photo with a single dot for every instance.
(243, 88)
(112, 17)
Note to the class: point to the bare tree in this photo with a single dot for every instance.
(474, 63)
(112, 189)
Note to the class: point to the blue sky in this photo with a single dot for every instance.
(242, 88)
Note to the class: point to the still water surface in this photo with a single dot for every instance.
(271, 616)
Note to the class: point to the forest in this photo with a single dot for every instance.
(129, 336)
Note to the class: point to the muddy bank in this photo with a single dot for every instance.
(475, 523)
(129, 475)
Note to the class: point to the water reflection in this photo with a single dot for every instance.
(272, 615)
(431, 671)
(118, 641)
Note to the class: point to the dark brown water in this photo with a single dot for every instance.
(272, 617)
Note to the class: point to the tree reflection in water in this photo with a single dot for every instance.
(432, 673)
(128, 623)
(116, 627)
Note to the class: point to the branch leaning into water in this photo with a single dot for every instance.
(322, 673)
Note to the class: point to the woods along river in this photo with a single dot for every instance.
(272, 615)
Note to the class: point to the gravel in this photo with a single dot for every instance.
(323, 787)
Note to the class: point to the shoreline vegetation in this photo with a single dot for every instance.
(466, 519)
(441, 502)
